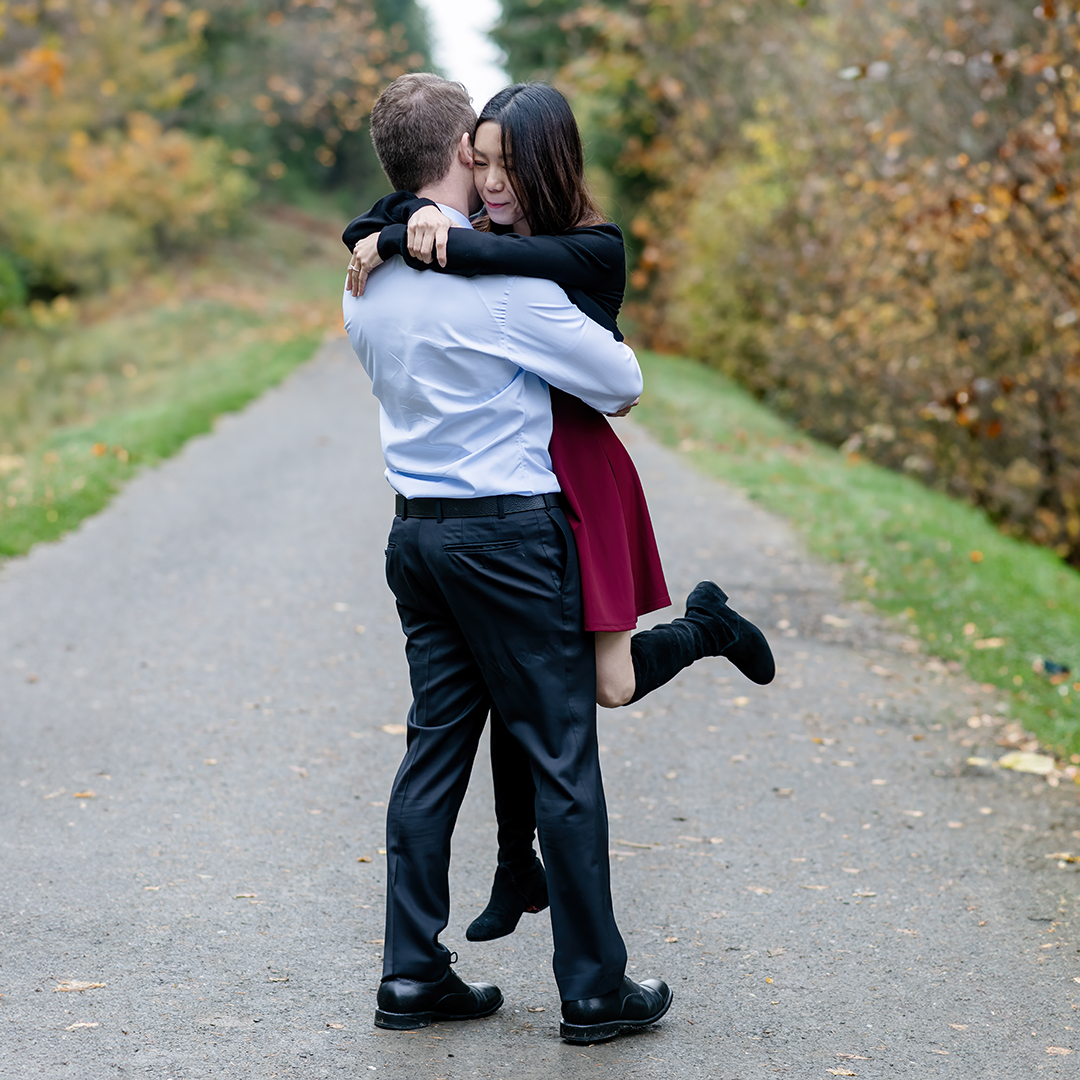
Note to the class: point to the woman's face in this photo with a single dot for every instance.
(489, 175)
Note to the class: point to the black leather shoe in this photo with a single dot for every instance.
(511, 896)
(633, 1005)
(405, 1004)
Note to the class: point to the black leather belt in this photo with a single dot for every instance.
(488, 506)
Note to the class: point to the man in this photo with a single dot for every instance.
(483, 566)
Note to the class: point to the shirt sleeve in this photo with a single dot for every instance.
(544, 333)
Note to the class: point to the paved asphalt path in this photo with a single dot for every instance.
(199, 694)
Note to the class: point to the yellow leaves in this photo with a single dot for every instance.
(394, 729)
(1027, 762)
(34, 69)
(73, 986)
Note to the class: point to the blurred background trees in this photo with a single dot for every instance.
(867, 211)
(129, 128)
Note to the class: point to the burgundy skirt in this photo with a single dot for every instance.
(621, 575)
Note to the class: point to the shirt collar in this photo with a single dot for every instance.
(456, 216)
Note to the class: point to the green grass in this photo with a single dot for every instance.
(90, 393)
(937, 564)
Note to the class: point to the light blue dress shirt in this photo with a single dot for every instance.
(461, 368)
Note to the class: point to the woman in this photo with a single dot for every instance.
(540, 221)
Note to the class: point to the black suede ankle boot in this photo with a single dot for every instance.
(709, 628)
(512, 894)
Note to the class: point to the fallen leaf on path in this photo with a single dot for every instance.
(913, 813)
(959, 1027)
(845, 764)
(842, 1072)
(671, 940)
(68, 985)
(151, 888)
(851, 869)
(376, 941)
(534, 1008)
(364, 858)
(779, 951)
(989, 643)
(864, 894)
(877, 669)
(955, 824)
(360, 629)
(1058, 1051)
(380, 851)
(1064, 856)
(879, 783)
(740, 701)
(341, 607)
(944, 1053)
(84, 794)
(245, 896)
(835, 620)
(852, 1057)
(337, 1027)
(818, 887)
(1026, 762)
(693, 839)
(299, 770)
(81, 1024)
(631, 843)
(394, 729)
(979, 762)
(901, 930)
(761, 890)
(735, 758)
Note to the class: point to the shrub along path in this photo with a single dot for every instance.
(200, 698)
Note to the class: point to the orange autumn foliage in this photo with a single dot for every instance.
(92, 183)
(870, 215)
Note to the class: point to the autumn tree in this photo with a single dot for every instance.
(867, 213)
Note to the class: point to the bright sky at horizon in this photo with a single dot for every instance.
(462, 48)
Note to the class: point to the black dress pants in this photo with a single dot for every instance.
(491, 610)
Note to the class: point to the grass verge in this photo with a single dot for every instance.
(91, 392)
(999, 607)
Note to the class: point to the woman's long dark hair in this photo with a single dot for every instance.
(542, 153)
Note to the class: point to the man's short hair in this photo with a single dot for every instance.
(416, 126)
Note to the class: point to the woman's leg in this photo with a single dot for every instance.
(709, 628)
(615, 680)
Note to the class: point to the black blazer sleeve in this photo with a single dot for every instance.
(589, 263)
(392, 209)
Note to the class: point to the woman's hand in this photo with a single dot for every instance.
(365, 258)
(625, 410)
(428, 228)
